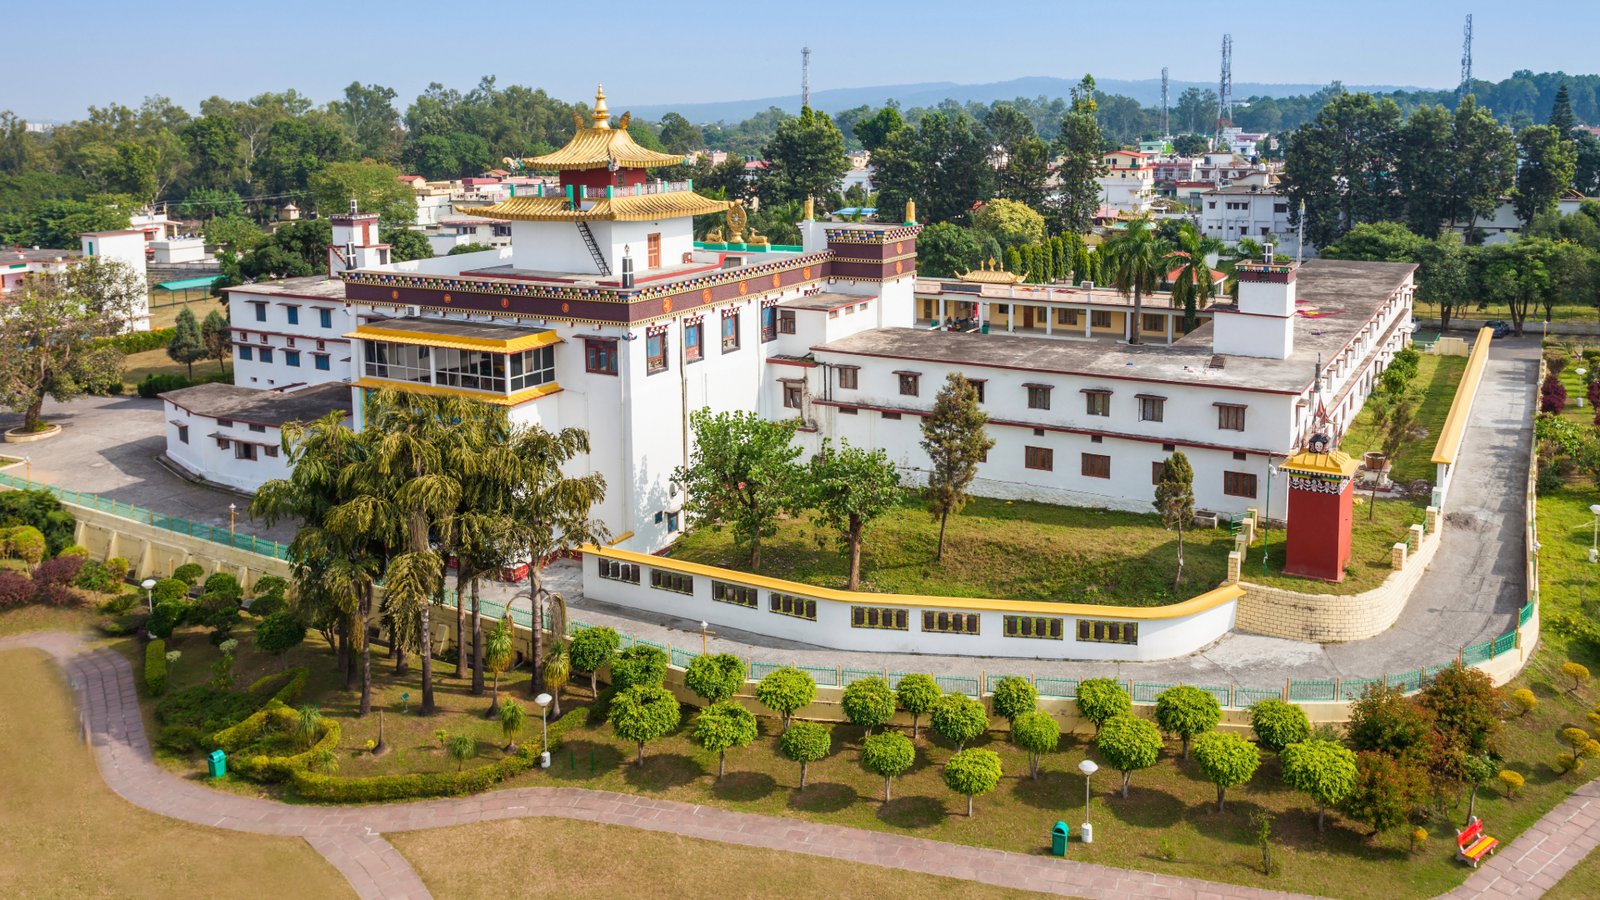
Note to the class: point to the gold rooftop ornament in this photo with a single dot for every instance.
(736, 220)
(598, 146)
(911, 212)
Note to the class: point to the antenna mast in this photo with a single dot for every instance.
(805, 77)
(1225, 86)
(1166, 132)
(1466, 60)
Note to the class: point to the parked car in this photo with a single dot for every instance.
(1501, 328)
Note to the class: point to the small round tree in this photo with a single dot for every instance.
(1384, 791)
(1101, 698)
(1187, 712)
(888, 754)
(1324, 769)
(868, 703)
(639, 664)
(460, 747)
(722, 726)
(971, 773)
(917, 693)
(1128, 744)
(1278, 724)
(513, 718)
(805, 743)
(1014, 696)
(959, 719)
(279, 633)
(1524, 699)
(1226, 760)
(715, 678)
(644, 712)
(591, 649)
(786, 691)
(1578, 672)
(1038, 733)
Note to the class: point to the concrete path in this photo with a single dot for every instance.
(351, 837)
(1471, 592)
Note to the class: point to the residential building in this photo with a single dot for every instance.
(1502, 225)
(1128, 185)
(1246, 210)
(233, 436)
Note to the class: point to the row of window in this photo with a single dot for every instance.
(477, 370)
(1230, 417)
(1098, 465)
(292, 314)
(773, 321)
(245, 352)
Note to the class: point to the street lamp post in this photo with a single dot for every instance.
(1266, 517)
(705, 632)
(544, 718)
(1594, 540)
(1087, 767)
(149, 585)
(233, 512)
(1582, 382)
(27, 468)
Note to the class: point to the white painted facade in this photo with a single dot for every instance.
(240, 455)
(1503, 226)
(1128, 184)
(1241, 211)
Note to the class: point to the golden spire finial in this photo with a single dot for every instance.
(811, 210)
(602, 116)
(911, 212)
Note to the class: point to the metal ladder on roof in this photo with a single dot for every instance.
(594, 248)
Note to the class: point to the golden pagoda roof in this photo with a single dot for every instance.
(628, 208)
(599, 145)
(990, 275)
(1335, 463)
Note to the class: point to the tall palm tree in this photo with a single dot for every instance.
(1194, 282)
(481, 530)
(1136, 259)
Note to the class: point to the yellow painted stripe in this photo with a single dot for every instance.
(1209, 600)
(1461, 407)
(514, 345)
(434, 390)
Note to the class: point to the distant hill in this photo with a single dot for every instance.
(1147, 91)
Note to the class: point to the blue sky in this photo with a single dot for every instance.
(656, 52)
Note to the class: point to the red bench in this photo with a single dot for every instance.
(1472, 845)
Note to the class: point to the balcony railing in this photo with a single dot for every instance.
(581, 192)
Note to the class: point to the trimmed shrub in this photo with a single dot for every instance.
(223, 585)
(169, 589)
(155, 385)
(715, 677)
(53, 578)
(1552, 395)
(25, 542)
(1014, 696)
(155, 667)
(1525, 700)
(15, 589)
(639, 664)
(972, 773)
(168, 616)
(206, 708)
(94, 577)
(78, 550)
(959, 719)
(868, 702)
(139, 341)
(1568, 762)
(1101, 698)
(1578, 672)
(785, 691)
(1187, 712)
(188, 573)
(1128, 743)
(117, 568)
(1278, 724)
(805, 743)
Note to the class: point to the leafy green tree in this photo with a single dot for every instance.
(639, 664)
(1278, 724)
(513, 718)
(1194, 284)
(368, 113)
(1482, 164)
(888, 754)
(1014, 696)
(1138, 260)
(679, 135)
(1011, 223)
(959, 719)
(1421, 169)
(1038, 733)
(296, 249)
(1383, 719)
(944, 164)
(1128, 744)
(187, 346)
(460, 249)
(1190, 144)
(460, 747)
(405, 244)
(217, 338)
(1444, 277)
(715, 677)
(1080, 147)
(805, 159)
(1384, 791)
(279, 633)
(216, 151)
(1324, 769)
(850, 487)
(741, 475)
(1465, 704)
(293, 150)
(972, 773)
(917, 694)
(786, 691)
(874, 131)
(1549, 162)
(1514, 275)
(443, 157)
(1099, 699)
(954, 438)
(53, 328)
(1341, 166)
(233, 234)
(722, 726)
(644, 713)
(1025, 168)
(1226, 760)
(945, 249)
(374, 186)
(591, 649)
(1187, 712)
(805, 743)
(1480, 772)
(868, 702)
(1175, 505)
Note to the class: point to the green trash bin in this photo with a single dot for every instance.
(217, 764)
(1058, 839)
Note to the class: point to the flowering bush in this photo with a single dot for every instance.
(1552, 396)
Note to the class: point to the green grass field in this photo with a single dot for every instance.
(1431, 391)
(1370, 546)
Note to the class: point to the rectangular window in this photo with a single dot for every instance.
(246, 352)
(1099, 402)
(791, 396)
(1239, 484)
(261, 310)
(652, 249)
(848, 411)
(183, 434)
(891, 416)
(291, 358)
(266, 354)
(241, 450)
(676, 582)
(322, 361)
(908, 383)
(672, 523)
(977, 384)
(325, 318)
(1229, 417)
(1066, 317)
(1038, 396)
(223, 443)
(224, 423)
(655, 353)
(790, 605)
(1042, 458)
(730, 332)
(849, 377)
(258, 429)
(1153, 322)
(693, 342)
(891, 618)
(737, 594)
(1151, 409)
(1096, 632)
(950, 623)
(1043, 627)
(1100, 319)
(1096, 465)
(786, 321)
(600, 357)
(619, 571)
(1156, 468)
(271, 451)
(293, 314)
(769, 324)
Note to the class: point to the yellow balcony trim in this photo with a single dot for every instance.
(434, 390)
(1461, 407)
(399, 336)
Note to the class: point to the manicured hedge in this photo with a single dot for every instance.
(249, 730)
(140, 341)
(281, 768)
(155, 667)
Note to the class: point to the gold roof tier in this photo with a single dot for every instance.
(600, 145)
(991, 275)
(641, 208)
(1334, 463)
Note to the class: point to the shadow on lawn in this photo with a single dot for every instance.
(912, 812)
(662, 772)
(823, 796)
(585, 760)
(744, 787)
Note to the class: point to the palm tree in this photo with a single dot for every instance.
(557, 670)
(1136, 259)
(512, 720)
(1194, 282)
(480, 532)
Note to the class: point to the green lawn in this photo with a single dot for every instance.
(995, 548)
(1560, 313)
(1431, 391)
(1370, 547)
(1582, 883)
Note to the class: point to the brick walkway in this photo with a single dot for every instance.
(351, 837)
